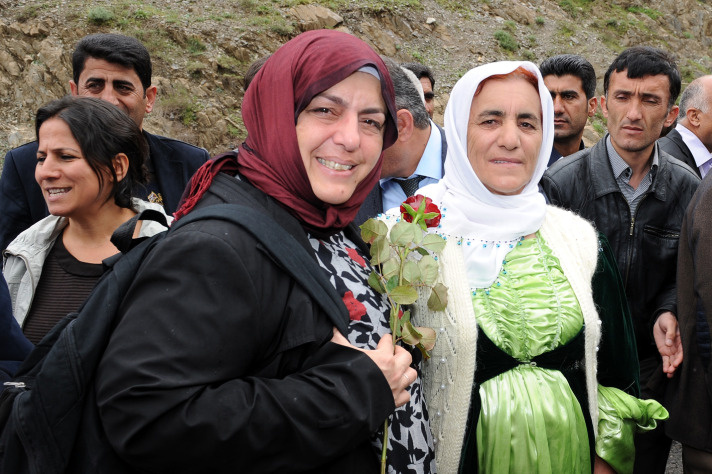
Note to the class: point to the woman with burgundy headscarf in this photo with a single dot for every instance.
(222, 362)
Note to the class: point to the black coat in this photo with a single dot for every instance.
(21, 203)
(675, 146)
(14, 346)
(645, 245)
(221, 363)
(689, 394)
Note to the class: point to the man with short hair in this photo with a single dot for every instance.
(427, 80)
(572, 83)
(691, 140)
(417, 157)
(636, 195)
(117, 69)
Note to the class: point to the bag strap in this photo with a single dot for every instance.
(122, 238)
(286, 251)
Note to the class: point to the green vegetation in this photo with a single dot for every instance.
(506, 41)
(599, 123)
(195, 46)
(510, 26)
(566, 30)
(529, 55)
(28, 13)
(652, 13)
(687, 35)
(540, 20)
(100, 16)
(182, 104)
(575, 7)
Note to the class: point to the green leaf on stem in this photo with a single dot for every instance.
(374, 281)
(433, 243)
(408, 209)
(404, 294)
(373, 228)
(390, 268)
(428, 270)
(438, 298)
(391, 283)
(427, 337)
(410, 334)
(405, 318)
(411, 271)
(380, 250)
(403, 233)
(422, 251)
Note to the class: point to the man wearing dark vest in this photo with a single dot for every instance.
(417, 157)
(116, 69)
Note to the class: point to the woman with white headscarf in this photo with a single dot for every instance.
(517, 375)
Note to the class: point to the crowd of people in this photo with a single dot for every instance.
(575, 338)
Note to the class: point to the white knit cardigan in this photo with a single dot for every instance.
(449, 374)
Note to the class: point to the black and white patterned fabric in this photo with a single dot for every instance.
(410, 441)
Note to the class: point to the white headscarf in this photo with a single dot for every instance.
(487, 225)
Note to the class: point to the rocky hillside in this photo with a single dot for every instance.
(202, 49)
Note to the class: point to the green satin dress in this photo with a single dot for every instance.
(530, 420)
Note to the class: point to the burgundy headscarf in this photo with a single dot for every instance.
(270, 158)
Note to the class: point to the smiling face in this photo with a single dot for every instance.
(340, 136)
(69, 185)
(116, 84)
(504, 134)
(637, 110)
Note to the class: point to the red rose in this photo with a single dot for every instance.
(430, 213)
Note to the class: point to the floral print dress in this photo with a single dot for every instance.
(410, 442)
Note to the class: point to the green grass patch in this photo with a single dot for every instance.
(540, 20)
(28, 13)
(575, 7)
(100, 16)
(652, 13)
(528, 55)
(599, 122)
(506, 41)
(195, 46)
(182, 105)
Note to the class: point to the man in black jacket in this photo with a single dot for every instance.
(637, 195)
(691, 140)
(116, 69)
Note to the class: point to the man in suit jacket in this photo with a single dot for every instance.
(689, 395)
(691, 140)
(417, 157)
(116, 69)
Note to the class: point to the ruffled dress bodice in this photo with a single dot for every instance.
(530, 420)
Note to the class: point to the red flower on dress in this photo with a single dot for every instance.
(430, 215)
(356, 309)
(353, 253)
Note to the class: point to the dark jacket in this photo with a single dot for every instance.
(172, 163)
(221, 363)
(14, 346)
(675, 146)
(689, 395)
(645, 245)
(373, 205)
